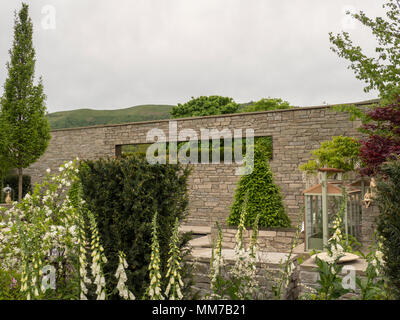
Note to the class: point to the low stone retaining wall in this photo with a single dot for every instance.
(267, 269)
(308, 275)
(271, 239)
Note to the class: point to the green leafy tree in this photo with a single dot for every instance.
(340, 153)
(380, 72)
(267, 104)
(205, 106)
(263, 196)
(24, 128)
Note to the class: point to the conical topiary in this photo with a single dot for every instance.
(264, 196)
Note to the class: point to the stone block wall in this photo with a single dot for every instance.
(294, 132)
(266, 275)
(271, 239)
(308, 276)
(369, 218)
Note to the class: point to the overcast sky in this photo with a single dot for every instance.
(104, 54)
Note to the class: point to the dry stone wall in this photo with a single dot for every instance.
(294, 132)
(269, 240)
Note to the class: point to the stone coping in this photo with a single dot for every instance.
(263, 257)
(220, 115)
(195, 229)
(360, 265)
(290, 229)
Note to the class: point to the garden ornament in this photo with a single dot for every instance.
(370, 195)
(7, 191)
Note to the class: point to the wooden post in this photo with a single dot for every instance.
(324, 209)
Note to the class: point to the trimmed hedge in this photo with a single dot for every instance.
(124, 194)
(388, 201)
(264, 196)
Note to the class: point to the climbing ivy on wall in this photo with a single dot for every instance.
(263, 196)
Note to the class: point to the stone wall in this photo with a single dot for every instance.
(294, 132)
(308, 276)
(271, 239)
(267, 275)
(368, 224)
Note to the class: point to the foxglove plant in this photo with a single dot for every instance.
(243, 273)
(288, 267)
(120, 274)
(98, 258)
(175, 283)
(153, 292)
(216, 266)
(39, 225)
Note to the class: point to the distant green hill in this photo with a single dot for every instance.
(89, 117)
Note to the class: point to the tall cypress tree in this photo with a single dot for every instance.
(24, 128)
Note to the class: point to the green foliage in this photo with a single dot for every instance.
(217, 281)
(24, 128)
(379, 72)
(329, 280)
(374, 286)
(124, 194)
(267, 104)
(153, 291)
(88, 117)
(10, 285)
(205, 106)
(355, 112)
(40, 231)
(340, 153)
(12, 181)
(264, 196)
(287, 267)
(139, 150)
(238, 282)
(174, 279)
(388, 201)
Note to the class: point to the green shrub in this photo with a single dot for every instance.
(388, 201)
(124, 194)
(10, 286)
(340, 153)
(264, 196)
(267, 104)
(205, 106)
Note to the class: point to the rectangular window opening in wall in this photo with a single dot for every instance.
(140, 149)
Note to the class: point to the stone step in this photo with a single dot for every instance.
(196, 229)
(201, 242)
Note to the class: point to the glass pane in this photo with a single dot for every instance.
(314, 222)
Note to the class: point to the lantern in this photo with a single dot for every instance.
(322, 203)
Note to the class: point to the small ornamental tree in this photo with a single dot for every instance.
(383, 139)
(340, 153)
(24, 128)
(264, 197)
(205, 106)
